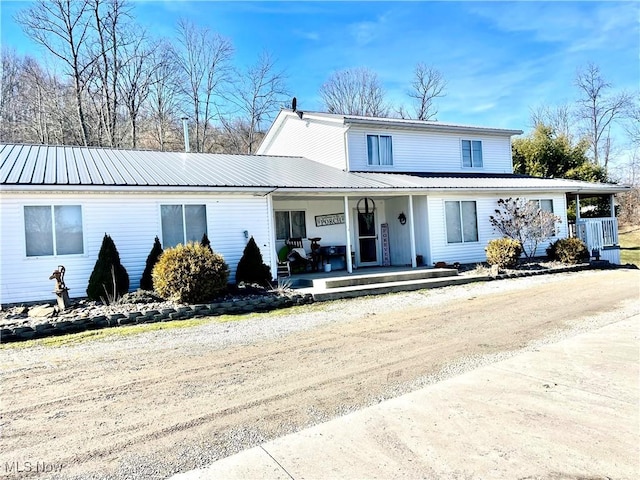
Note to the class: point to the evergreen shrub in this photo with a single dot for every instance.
(503, 252)
(568, 250)
(251, 268)
(107, 265)
(146, 282)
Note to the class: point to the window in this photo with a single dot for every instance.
(290, 224)
(462, 222)
(182, 224)
(472, 153)
(53, 230)
(379, 150)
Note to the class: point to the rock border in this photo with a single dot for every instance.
(238, 307)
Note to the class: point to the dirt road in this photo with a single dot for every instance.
(139, 410)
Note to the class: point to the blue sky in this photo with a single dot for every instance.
(500, 58)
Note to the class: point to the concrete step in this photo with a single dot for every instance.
(382, 278)
(400, 286)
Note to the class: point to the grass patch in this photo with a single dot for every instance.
(629, 237)
(118, 332)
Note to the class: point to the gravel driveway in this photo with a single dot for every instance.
(154, 404)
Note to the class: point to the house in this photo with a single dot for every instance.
(445, 178)
(392, 192)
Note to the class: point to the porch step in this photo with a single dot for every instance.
(354, 280)
(390, 287)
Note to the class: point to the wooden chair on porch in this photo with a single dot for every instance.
(295, 258)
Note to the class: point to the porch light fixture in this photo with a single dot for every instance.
(402, 218)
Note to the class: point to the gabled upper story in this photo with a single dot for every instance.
(355, 143)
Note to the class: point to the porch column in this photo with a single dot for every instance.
(273, 251)
(612, 206)
(577, 208)
(412, 233)
(347, 228)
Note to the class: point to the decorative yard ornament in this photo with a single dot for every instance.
(61, 291)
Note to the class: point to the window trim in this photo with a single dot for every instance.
(290, 233)
(446, 232)
(54, 242)
(366, 143)
(184, 221)
(471, 140)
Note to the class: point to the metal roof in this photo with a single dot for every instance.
(52, 165)
(57, 167)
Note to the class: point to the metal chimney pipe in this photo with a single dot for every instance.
(185, 128)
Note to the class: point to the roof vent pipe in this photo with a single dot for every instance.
(185, 128)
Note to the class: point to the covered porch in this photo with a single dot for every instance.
(598, 232)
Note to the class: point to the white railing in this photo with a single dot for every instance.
(597, 232)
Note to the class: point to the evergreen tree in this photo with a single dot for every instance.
(146, 282)
(102, 278)
(205, 242)
(251, 268)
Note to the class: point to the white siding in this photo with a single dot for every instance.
(132, 221)
(316, 140)
(441, 251)
(415, 151)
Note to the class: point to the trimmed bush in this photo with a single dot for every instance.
(251, 268)
(101, 280)
(190, 273)
(568, 250)
(146, 282)
(503, 252)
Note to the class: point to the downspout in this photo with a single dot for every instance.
(346, 149)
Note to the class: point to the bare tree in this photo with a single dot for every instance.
(558, 118)
(9, 91)
(163, 100)
(599, 111)
(428, 84)
(257, 94)
(204, 60)
(62, 27)
(354, 91)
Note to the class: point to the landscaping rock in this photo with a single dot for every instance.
(42, 311)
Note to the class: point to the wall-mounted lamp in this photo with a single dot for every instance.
(402, 218)
(246, 234)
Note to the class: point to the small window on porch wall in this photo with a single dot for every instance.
(291, 224)
(379, 150)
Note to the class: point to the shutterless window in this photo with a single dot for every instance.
(462, 222)
(182, 224)
(472, 153)
(291, 224)
(53, 230)
(379, 150)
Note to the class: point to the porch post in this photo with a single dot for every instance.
(273, 251)
(347, 228)
(612, 205)
(577, 208)
(412, 233)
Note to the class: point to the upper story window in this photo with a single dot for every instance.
(182, 224)
(53, 230)
(291, 224)
(379, 150)
(461, 221)
(472, 153)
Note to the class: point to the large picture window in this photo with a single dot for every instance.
(291, 224)
(472, 153)
(182, 224)
(379, 150)
(462, 221)
(53, 230)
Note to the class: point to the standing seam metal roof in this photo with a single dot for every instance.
(42, 165)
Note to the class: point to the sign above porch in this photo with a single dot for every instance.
(329, 219)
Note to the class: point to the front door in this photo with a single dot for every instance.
(367, 239)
